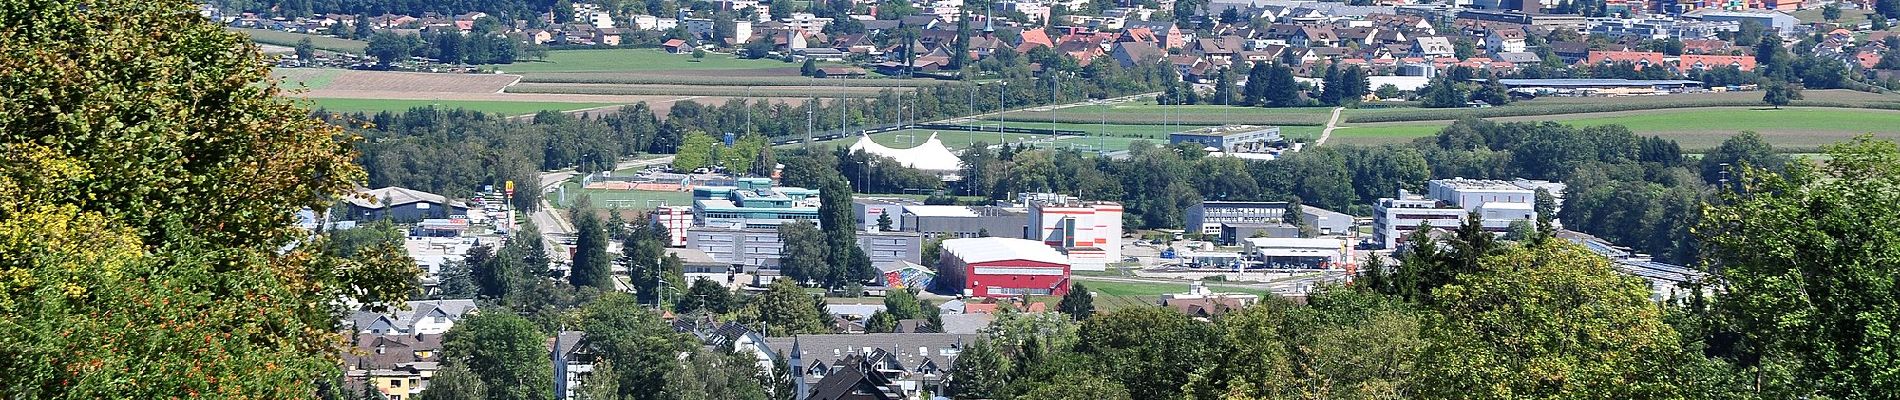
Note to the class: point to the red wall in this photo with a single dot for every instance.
(979, 284)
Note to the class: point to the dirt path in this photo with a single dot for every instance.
(1331, 124)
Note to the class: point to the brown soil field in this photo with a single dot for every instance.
(353, 80)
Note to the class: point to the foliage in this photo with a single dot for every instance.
(1779, 93)
(980, 371)
(708, 374)
(455, 382)
(1801, 255)
(505, 351)
(1740, 153)
(649, 269)
(1079, 386)
(591, 265)
(1550, 320)
(635, 341)
(1151, 351)
(694, 152)
(786, 310)
(709, 295)
(150, 183)
(802, 259)
(1078, 303)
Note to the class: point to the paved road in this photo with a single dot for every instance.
(1331, 124)
(553, 224)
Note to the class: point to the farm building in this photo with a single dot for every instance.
(400, 205)
(997, 267)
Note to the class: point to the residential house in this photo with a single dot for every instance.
(1570, 52)
(1314, 37)
(676, 46)
(1221, 48)
(1509, 40)
(397, 366)
(867, 366)
(1692, 62)
(1641, 59)
(1431, 47)
(422, 317)
(1130, 54)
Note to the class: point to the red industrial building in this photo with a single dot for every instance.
(1002, 267)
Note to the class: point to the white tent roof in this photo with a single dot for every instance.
(930, 156)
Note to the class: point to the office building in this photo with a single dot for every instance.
(1231, 138)
(1207, 217)
(752, 203)
(966, 221)
(1497, 203)
(1298, 253)
(675, 219)
(760, 248)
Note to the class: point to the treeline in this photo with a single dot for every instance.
(486, 43)
(512, 9)
(1795, 306)
(1633, 190)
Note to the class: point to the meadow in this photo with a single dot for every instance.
(1697, 129)
(371, 106)
(289, 39)
(634, 60)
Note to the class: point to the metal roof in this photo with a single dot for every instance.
(989, 249)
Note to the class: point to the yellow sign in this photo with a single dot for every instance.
(508, 186)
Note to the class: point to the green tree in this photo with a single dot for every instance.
(695, 152)
(786, 310)
(1387, 91)
(884, 222)
(350, 242)
(455, 382)
(810, 68)
(902, 304)
(803, 256)
(1079, 386)
(389, 47)
(1779, 93)
(1738, 153)
(980, 371)
(1282, 90)
(1887, 9)
(1151, 351)
(1551, 320)
(592, 267)
(880, 322)
(708, 295)
(1801, 253)
(709, 374)
(150, 185)
(306, 51)
(1078, 303)
(601, 384)
(1831, 12)
(505, 350)
(641, 347)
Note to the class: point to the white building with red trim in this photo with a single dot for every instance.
(1089, 233)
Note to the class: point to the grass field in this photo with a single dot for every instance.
(1695, 128)
(1112, 295)
(288, 39)
(1179, 115)
(634, 60)
(370, 106)
(625, 199)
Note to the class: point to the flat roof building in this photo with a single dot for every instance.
(998, 267)
(1207, 217)
(1231, 138)
(1089, 232)
(752, 203)
(1299, 253)
(1498, 203)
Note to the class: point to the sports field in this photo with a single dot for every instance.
(1202, 115)
(635, 60)
(288, 39)
(1695, 128)
(371, 106)
(1111, 295)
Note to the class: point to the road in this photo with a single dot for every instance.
(554, 227)
(1331, 124)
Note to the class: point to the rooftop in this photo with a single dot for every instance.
(1227, 130)
(988, 249)
(1476, 184)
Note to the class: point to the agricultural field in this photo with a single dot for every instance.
(1791, 128)
(288, 39)
(1551, 106)
(638, 60)
(624, 199)
(511, 108)
(698, 90)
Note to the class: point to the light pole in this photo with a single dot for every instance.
(1001, 108)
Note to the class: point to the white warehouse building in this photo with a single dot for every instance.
(1498, 203)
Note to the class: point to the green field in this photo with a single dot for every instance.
(1112, 295)
(1140, 113)
(624, 199)
(634, 60)
(1694, 128)
(370, 106)
(288, 39)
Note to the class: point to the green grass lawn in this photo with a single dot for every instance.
(306, 78)
(634, 60)
(1202, 115)
(624, 199)
(370, 106)
(1110, 296)
(288, 39)
(1694, 128)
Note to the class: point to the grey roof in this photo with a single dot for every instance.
(1593, 82)
(1518, 57)
(967, 324)
(939, 348)
(395, 196)
(403, 320)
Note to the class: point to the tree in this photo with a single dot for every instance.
(699, 53)
(1151, 351)
(708, 295)
(884, 222)
(640, 347)
(1080, 386)
(1388, 91)
(1282, 90)
(592, 267)
(810, 68)
(802, 258)
(695, 152)
(1078, 303)
(601, 383)
(147, 210)
(1779, 93)
(902, 304)
(1831, 12)
(1549, 320)
(1887, 9)
(1740, 152)
(880, 322)
(980, 371)
(1800, 253)
(708, 374)
(505, 350)
(306, 51)
(455, 382)
(388, 48)
(786, 310)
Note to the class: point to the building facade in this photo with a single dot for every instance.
(1229, 138)
(1001, 267)
(1497, 204)
(753, 203)
(1089, 232)
(1208, 216)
